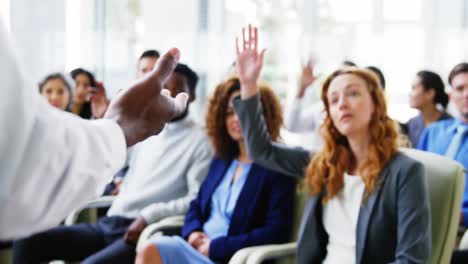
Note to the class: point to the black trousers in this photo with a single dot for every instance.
(460, 257)
(98, 243)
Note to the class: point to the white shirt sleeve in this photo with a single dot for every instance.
(298, 118)
(51, 162)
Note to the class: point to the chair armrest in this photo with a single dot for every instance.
(464, 241)
(242, 255)
(267, 252)
(168, 223)
(102, 201)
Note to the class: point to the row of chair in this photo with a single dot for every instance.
(446, 180)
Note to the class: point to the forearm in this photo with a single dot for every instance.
(260, 147)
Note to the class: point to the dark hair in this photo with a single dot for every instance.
(379, 74)
(78, 71)
(190, 76)
(149, 54)
(431, 80)
(54, 76)
(459, 68)
(349, 63)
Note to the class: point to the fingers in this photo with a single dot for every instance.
(249, 39)
(261, 56)
(244, 39)
(181, 101)
(165, 92)
(165, 66)
(255, 37)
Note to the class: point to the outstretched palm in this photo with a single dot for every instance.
(249, 61)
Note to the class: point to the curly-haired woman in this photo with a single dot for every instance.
(240, 203)
(368, 202)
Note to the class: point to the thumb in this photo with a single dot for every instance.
(181, 100)
(262, 53)
(166, 65)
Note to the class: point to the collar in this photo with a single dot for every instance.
(180, 124)
(456, 123)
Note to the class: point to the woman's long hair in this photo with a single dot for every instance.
(225, 147)
(325, 172)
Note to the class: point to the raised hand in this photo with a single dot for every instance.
(307, 78)
(249, 61)
(99, 101)
(142, 110)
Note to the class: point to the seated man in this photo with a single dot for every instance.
(449, 137)
(164, 175)
(145, 64)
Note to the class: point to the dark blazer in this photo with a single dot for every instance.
(394, 223)
(263, 213)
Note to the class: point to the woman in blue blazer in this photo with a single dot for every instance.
(240, 203)
(369, 203)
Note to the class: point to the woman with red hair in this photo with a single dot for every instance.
(368, 202)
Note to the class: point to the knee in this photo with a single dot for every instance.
(148, 254)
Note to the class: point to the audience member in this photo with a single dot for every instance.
(369, 203)
(427, 92)
(146, 62)
(56, 90)
(240, 203)
(449, 137)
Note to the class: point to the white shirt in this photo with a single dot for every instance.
(51, 162)
(340, 216)
(165, 173)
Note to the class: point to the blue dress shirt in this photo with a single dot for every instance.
(437, 138)
(224, 200)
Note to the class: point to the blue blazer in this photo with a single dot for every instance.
(263, 213)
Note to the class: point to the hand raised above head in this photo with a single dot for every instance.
(307, 78)
(98, 99)
(249, 61)
(142, 110)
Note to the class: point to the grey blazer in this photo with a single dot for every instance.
(394, 223)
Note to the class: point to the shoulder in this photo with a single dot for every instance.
(402, 166)
(413, 120)
(197, 136)
(440, 125)
(403, 160)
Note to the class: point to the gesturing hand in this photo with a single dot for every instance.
(142, 110)
(249, 61)
(307, 78)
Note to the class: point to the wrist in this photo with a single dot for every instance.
(248, 90)
(300, 94)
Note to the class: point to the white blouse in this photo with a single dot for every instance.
(340, 216)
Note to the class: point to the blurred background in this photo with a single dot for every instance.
(107, 36)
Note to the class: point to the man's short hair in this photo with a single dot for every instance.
(459, 68)
(189, 74)
(150, 54)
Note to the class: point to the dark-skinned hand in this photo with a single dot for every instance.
(143, 109)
